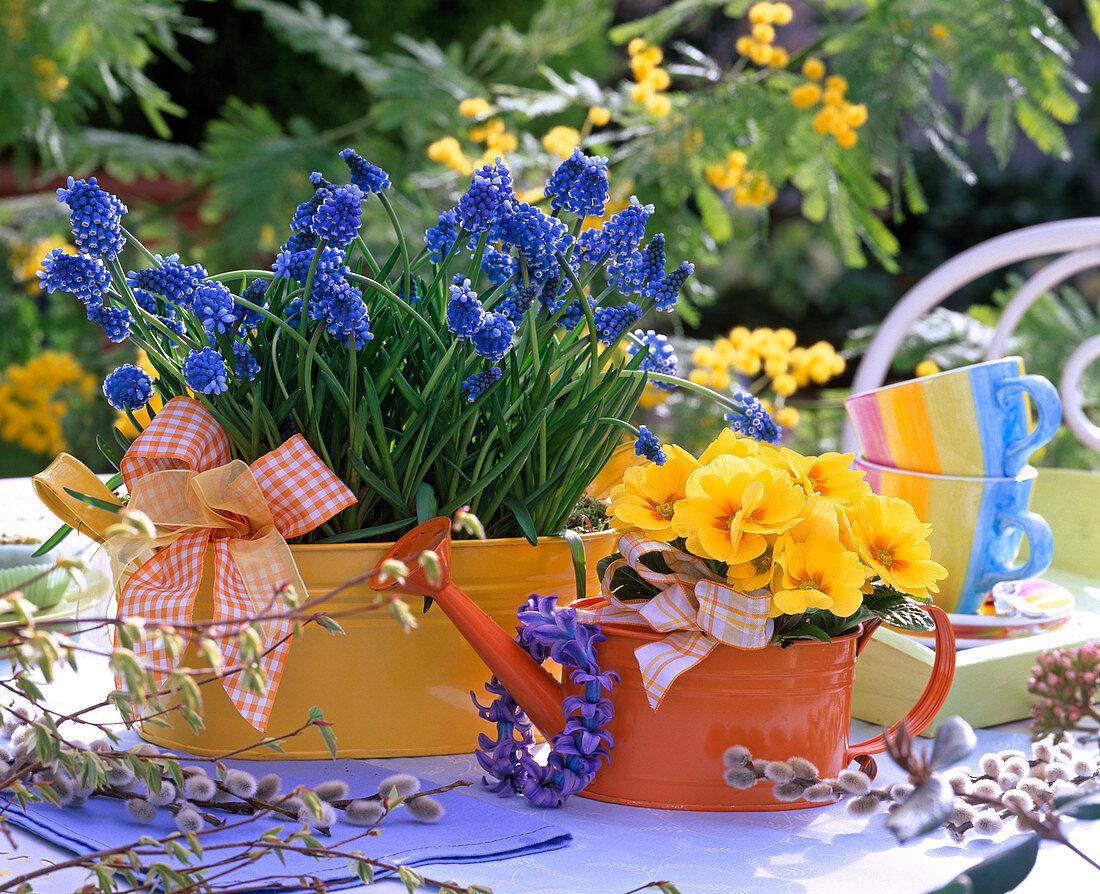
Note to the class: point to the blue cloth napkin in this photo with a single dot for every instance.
(471, 831)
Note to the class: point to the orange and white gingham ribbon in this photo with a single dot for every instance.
(696, 612)
(180, 473)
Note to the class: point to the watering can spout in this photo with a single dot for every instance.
(533, 688)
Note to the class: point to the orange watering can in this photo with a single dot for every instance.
(776, 701)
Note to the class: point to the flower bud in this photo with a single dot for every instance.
(740, 778)
(855, 782)
(803, 769)
(987, 823)
(425, 809)
(433, 568)
(778, 771)
(141, 810)
(363, 812)
(819, 792)
(863, 806)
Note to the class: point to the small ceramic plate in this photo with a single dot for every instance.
(1013, 610)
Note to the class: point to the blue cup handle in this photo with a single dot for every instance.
(1048, 413)
(1040, 550)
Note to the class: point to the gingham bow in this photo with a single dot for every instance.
(180, 473)
(695, 611)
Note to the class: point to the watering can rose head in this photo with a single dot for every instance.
(807, 530)
(475, 366)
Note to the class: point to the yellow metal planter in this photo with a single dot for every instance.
(387, 693)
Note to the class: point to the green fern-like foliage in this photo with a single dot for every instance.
(64, 58)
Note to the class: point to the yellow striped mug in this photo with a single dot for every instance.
(978, 526)
(972, 421)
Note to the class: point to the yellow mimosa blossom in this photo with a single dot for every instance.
(813, 68)
(636, 46)
(927, 368)
(744, 45)
(940, 31)
(646, 499)
(787, 418)
(782, 13)
(760, 13)
(763, 32)
(474, 107)
(894, 543)
(846, 139)
(805, 95)
(448, 151)
(659, 105)
(531, 196)
(26, 260)
(838, 83)
(730, 504)
(640, 92)
(855, 114)
(830, 474)
(720, 177)
(599, 116)
(817, 573)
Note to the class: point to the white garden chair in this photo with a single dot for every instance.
(1075, 246)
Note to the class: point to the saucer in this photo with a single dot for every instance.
(1013, 609)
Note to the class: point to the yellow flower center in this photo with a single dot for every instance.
(884, 557)
(665, 510)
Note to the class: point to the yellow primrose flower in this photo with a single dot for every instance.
(894, 543)
(730, 504)
(817, 573)
(830, 474)
(646, 499)
(755, 573)
(474, 107)
(729, 443)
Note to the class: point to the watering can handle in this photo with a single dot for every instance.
(930, 701)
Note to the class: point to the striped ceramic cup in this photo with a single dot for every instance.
(978, 525)
(972, 421)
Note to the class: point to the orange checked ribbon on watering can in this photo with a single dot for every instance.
(180, 473)
(696, 611)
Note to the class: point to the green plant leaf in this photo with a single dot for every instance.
(998, 874)
(897, 609)
(576, 553)
(426, 506)
(1086, 806)
(523, 519)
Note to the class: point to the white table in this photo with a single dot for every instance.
(616, 849)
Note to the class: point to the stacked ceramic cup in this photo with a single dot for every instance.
(955, 446)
